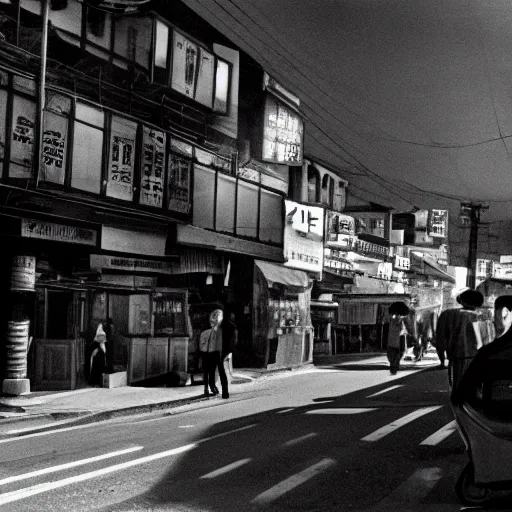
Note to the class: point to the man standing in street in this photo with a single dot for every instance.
(458, 334)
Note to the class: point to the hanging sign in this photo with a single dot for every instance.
(402, 263)
(438, 223)
(98, 261)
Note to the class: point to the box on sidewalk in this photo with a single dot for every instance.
(115, 380)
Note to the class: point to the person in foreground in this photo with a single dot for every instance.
(215, 345)
(490, 370)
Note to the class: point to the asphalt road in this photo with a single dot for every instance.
(348, 437)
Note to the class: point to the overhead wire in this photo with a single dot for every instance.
(293, 67)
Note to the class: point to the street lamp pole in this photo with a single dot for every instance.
(470, 213)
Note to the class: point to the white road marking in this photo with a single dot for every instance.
(410, 492)
(293, 481)
(298, 440)
(440, 435)
(226, 469)
(20, 494)
(68, 465)
(186, 426)
(48, 486)
(391, 427)
(342, 410)
(385, 390)
(285, 410)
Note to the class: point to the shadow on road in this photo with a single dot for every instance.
(238, 461)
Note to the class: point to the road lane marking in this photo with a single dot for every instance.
(226, 469)
(298, 440)
(285, 410)
(440, 435)
(61, 467)
(385, 390)
(20, 494)
(410, 492)
(186, 426)
(342, 410)
(292, 482)
(222, 434)
(391, 427)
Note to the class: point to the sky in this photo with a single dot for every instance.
(411, 102)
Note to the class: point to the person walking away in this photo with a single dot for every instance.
(397, 335)
(215, 346)
(98, 361)
(458, 334)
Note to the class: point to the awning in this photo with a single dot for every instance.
(427, 266)
(288, 277)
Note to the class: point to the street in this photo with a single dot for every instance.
(345, 437)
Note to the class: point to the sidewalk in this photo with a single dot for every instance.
(46, 410)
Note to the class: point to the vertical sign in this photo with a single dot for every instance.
(54, 148)
(184, 64)
(153, 158)
(121, 161)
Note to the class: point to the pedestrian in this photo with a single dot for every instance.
(488, 374)
(399, 328)
(98, 360)
(458, 334)
(215, 345)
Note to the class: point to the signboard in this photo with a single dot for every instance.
(506, 259)
(483, 267)
(503, 270)
(57, 232)
(130, 264)
(179, 172)
(438, 223)
(402, 263)
(385, 270)
(339, 223)
(337, 261)
(371, 249)
(282, 133)
(303, 236)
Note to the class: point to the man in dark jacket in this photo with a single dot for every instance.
(487, 382)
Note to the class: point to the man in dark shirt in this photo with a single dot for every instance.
(487, 382)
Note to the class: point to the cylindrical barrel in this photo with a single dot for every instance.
(16, 349)
(23, 273)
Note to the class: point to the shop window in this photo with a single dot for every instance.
(160, 52)
(152, 175)
(313, 185)
(121, 158)
(88, 149)
(204, 187)
(247, 210)
(179, 172)
(271, 217)
(170, 314)
(222, 81)
(22, 138)
(225, 211)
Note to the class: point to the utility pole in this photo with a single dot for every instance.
(470, 215)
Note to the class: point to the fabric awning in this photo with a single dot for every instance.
(289, 277)
(427, 266)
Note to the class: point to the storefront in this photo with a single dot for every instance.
(78, 283)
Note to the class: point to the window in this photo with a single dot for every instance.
(247, 210)
(204, 187)
(313, 185)
(55, 137)
(295, 183)
(222, 81)
(88, 148)
(153, 160)
(23, 137)
(179, 171)
(226, 195)
(204, 88)
(121, 158)
(161, 52)
(184, 65)
(96, 21)
(271, 217)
